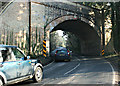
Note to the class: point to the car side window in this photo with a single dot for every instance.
(18, 54)
(7, 54)
(1, 58)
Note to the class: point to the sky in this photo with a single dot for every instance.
(60, 32)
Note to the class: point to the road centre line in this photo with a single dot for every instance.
(48, 64)
(72, 69)
(55, 66)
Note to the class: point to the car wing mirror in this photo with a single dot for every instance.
(22, 58)
(28, 57)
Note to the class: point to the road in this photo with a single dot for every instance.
(81, 70)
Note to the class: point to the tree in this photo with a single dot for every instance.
(116, 25)
(73, 42)
(56, 40)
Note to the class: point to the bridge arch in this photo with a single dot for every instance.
(86, 31)
(50, 26)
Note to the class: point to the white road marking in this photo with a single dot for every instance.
(113, 74)
(49, 64)
(57, 65)
(72, 69)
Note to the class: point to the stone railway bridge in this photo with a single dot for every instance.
(84, 22)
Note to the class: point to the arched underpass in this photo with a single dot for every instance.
(90, 41)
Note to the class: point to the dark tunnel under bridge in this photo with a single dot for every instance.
(89, 39)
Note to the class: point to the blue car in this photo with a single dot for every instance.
(61, 54)
(15, 66)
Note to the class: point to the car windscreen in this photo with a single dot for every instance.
(62, 51)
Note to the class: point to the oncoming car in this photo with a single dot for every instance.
(15, 66)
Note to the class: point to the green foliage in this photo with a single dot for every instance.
(56, 41)
(112, 11)
(73, 43)
(116, 25)
(95, 5)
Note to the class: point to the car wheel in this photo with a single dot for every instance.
(1, 83)
(38, 75)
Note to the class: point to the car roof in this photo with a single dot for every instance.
(9, 46)
(61, 47)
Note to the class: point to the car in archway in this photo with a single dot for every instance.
(61, 54)
(15, 66)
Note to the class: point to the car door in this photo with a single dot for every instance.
(8, 65)
(25, 67)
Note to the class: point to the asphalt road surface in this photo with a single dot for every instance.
(82, 70)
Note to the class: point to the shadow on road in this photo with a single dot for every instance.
(27, 82)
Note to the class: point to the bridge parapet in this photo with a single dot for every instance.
(70, 8)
